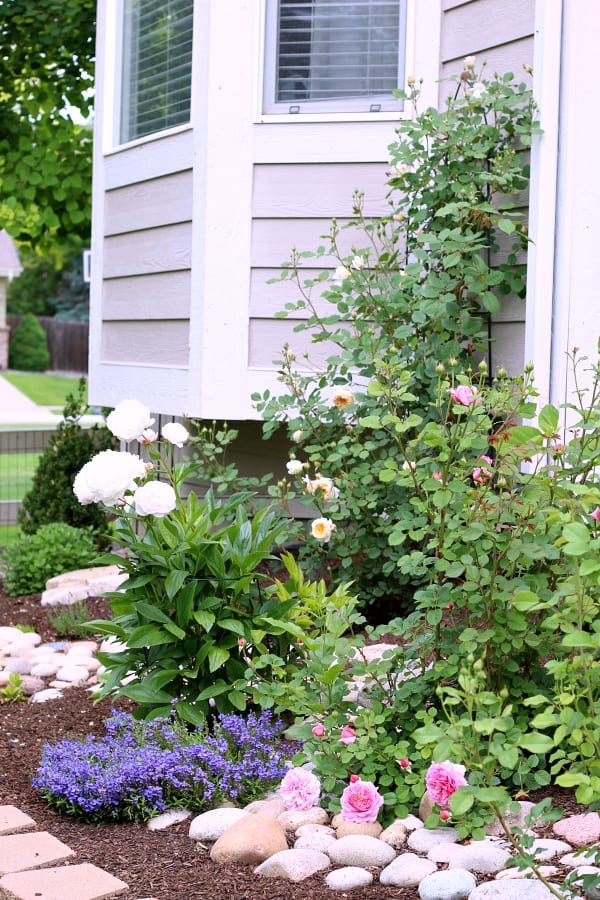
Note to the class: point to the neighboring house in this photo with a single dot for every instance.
(10, 267)
(219, 147)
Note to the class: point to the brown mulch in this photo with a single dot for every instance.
(164, 864)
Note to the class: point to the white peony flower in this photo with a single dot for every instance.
(107, 477)
(155, 498)
(342, 397)
(148, 436)
(321, 529)
(294, 467)
(175, 434)
(129, 420)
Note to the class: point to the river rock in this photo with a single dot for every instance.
(250, 840)
(452, 884)
(361, 850)
(294, 865)
(579, 831)
(350, 878)
(423, 839)
(209, 826)
(407, 870)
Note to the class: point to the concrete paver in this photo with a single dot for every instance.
(13, 820)
(29, 850)
(74, 882)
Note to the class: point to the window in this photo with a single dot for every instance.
(329, 56)
(157, 66)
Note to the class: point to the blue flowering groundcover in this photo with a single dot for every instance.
(139, 768)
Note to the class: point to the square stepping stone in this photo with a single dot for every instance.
(30, 851)
(13, 820)
(79, 882)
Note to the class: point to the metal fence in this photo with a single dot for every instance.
(67, 343)
(19, 453)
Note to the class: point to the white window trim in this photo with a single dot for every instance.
(112, 87)
(422, 59)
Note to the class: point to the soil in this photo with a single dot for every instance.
(162, 865)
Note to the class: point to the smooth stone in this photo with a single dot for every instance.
(167, 818)
(514, 819)
(513, 872)
(316, 840)
(453, 884)
(344, 827)
(55, 645)
(511, 889)
(18, 666)
(426, 807)
(547, 848)
(45, 695)
(350, 878)
(209, 826)
(61, 685)
(395, 835)
(65, 596)
(4, 678)
(294, 865)
(28, 638)
(581, 830)
(73, 674)
(424, 839)
(478, 856)
(407, 870)
(410, 822)
(292, 819)
(271, 806)
(361, 850)
(30, 685)
(44, 670)
(312, 829)
(251, 840)
(583, 858)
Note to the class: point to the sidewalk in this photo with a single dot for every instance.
(17, 409)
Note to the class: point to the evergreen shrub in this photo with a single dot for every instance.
(30, 560)
(28, 348)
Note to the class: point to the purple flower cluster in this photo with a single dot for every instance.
(142, 767)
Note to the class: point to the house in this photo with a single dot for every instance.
(228, 132)
(10, 267)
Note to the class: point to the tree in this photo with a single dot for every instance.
(46, 71)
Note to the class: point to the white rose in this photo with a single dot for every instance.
(477, 91)
(321, 529)
(297, 436)
(325, 485)
(294, 467)
(341, 273)
(342, 397)
(129, 420)
(469, 62)
(155, 498)
(175, 434)
(107, 477)
(148, 436)
(358, 262)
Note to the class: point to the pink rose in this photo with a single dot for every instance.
(361, 802)
(481, 474)
(347, 735)
(299, 789)
(318, 730)
(442, 780)
(445, 814)
(354, 779)
(596, 514)
(463, 394)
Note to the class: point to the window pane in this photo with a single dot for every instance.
(157, 66)
(330, 49)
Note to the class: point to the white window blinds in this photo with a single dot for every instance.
(333, 54)
(157, 66)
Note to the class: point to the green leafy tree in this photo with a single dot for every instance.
(46, 69)
(32, 290)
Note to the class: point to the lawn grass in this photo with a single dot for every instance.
(16, 474)
(45, 390)
(8, 533)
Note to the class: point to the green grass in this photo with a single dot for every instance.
(16, 474)
(8, 533)
(45, 390)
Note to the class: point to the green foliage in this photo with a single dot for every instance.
(44, 389)
(200, 603)
(28, 347)
(51, 498)
(30, 292)
(12, 692)
(416, 290)
(30, 560)
(45, 159)
(71, 621)
(72, 302)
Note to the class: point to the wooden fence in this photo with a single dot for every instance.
(67, 343)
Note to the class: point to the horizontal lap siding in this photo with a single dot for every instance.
(498, 33)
